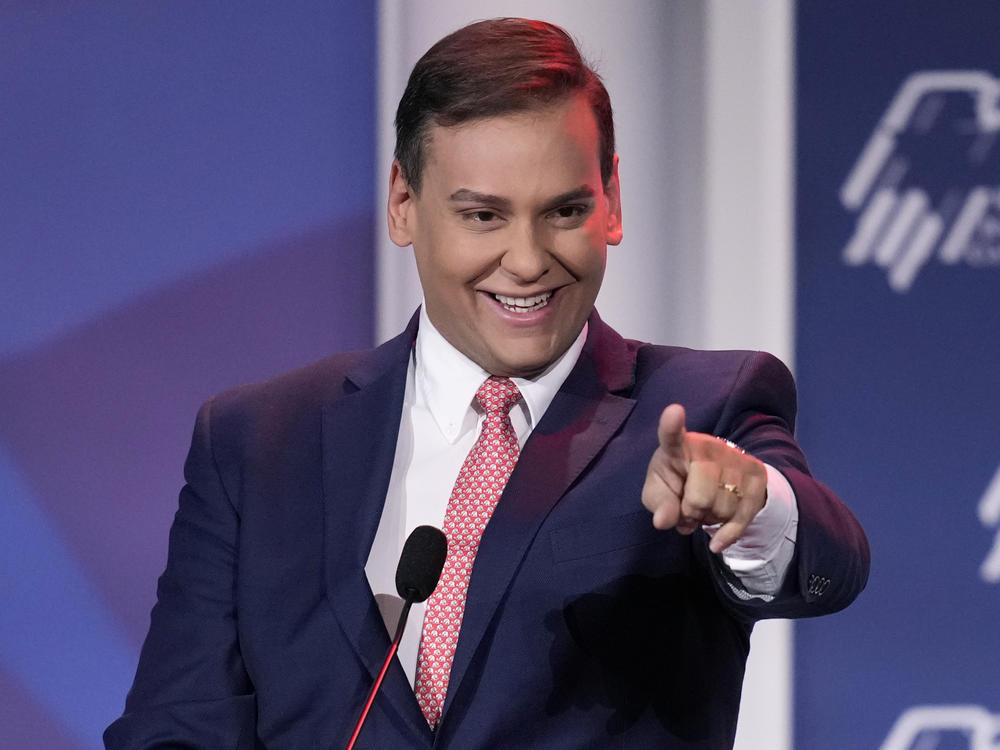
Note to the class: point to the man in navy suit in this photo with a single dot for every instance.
(659, 505)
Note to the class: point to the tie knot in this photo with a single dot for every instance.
(497, 395)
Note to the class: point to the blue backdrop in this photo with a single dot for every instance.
(898, 355)
(186, 201)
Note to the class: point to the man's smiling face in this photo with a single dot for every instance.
(510, 232)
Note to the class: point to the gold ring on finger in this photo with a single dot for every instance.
(729, 487)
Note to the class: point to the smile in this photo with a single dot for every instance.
(524, 304)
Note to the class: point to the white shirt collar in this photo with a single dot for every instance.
(446, 381)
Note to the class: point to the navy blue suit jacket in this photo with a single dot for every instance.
(584, 626)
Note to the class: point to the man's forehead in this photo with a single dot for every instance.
(567, 128)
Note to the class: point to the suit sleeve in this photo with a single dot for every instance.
(191, 688)
(832, 558)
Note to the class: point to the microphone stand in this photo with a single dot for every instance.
(385, 667)
(417, 576)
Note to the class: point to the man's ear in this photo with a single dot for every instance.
(613, 195)
(400, 209)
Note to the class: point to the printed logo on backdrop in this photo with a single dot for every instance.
(989, 516)
(940, 727)
(926, 186)
(965, 727)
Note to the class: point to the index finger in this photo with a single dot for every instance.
(671, 431)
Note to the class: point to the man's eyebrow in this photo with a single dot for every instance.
(465, 195)
(584, 192)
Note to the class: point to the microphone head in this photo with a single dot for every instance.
(420, 563)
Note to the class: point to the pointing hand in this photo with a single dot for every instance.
(696, 480)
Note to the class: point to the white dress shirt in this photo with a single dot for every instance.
(439, 425)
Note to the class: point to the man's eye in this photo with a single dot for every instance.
(570, 213)
(480, 217)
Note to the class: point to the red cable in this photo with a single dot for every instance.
(385, 668)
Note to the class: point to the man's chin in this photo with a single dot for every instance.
(520, 364)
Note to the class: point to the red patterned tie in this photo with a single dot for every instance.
(477, 490)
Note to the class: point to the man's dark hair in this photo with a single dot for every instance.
(492, 68)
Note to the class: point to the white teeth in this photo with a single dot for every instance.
(524, 304)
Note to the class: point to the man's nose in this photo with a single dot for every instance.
(527, 257)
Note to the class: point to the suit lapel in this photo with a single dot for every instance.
(582, 418)
(359, 445)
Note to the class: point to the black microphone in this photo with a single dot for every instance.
(420, 563)
(417, 575)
